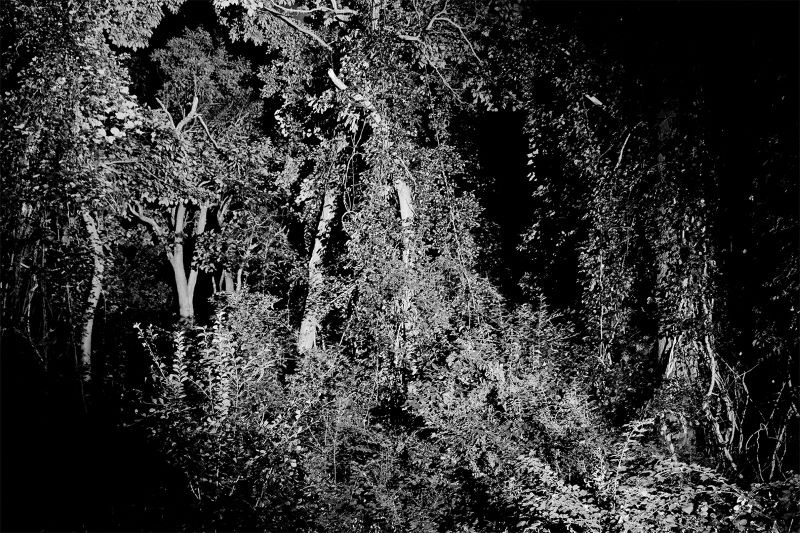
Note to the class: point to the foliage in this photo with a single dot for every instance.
(319, 161)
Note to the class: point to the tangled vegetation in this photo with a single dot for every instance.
(267, 236)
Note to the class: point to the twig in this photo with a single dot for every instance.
(622, 151)
(436, 17)
(205, 127)
(461, 31)
(441, 76)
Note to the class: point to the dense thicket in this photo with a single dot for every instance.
(392, 266)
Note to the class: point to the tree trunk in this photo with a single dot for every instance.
(406, 217)
(227, 282)
(185, 304)
(308, 327)
(375, 14)
(193, 271)
(185, 295)
(94, 296)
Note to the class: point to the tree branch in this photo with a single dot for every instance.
(205, 127)
(188, 118)
(301, 29)
(202, 217)
(336, 80)
(356, 97)
(169, 115)
(463, 35)
(622, 151)
(139, 213)
(334, 10)
(223, 210)
(435, 18)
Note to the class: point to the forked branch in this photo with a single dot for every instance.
(138, 212)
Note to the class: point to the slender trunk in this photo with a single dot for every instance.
(94, 296)
(185, 304)
(202, 217)
(308, 327)
(228, 284)
(406, 217)
(375, 15)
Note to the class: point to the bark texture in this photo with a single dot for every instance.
(307, 338)
(98, 269)
(405, 200)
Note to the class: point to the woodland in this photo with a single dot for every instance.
(464, 266)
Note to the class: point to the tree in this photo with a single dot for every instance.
(67, 143)
(195, 174)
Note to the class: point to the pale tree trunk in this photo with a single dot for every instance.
(185, 304)
(199, 228)
(407, 219)
(375, 14)
(226, 283)
(176, 259)
(94, 296)
(308, 327)
(185, 285)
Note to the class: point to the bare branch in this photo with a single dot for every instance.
(435, 18)
(169, 115)
(405, 37)
(593, 100)
(205, 127)
(188, 118)
(139, 213)
(336, 80)
(463, 35)
(622, 151)
(439, 72)
(302, 29)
